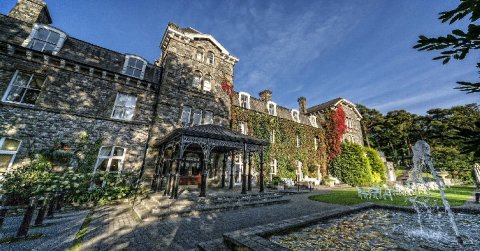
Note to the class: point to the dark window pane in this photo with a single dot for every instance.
(105, 151)
(42, 34)
(31, 97)
(131, 62)
(115, 165)
(10, 145)
(21, 79)
(15, 94)
(136, 73)
(118, 151)
(53, 38)
(49, 48)
(129, 71)
(139, 64)
(37, 82)
(102, 165)
(38, 45)
(4, 162)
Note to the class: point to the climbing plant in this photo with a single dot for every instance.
(334, 129)
(285, 149)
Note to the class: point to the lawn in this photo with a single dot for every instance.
(456, 196)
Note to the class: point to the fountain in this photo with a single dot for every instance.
(421, 162)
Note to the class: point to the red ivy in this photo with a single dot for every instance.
(226, 87)
(335, 129)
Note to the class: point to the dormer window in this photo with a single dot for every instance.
(244, 100)
(313, 121)
(134, 66)
(45, 39)
(197, 80)
(199, 55)
(272, 108)
(210, 58)
(207, 83)
(295, 116)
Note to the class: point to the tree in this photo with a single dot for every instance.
(372, 123)
(459, 43)
(352, 167)
(379, 170)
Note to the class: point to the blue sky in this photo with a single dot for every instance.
(359, 50)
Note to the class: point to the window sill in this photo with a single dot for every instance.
(18, 104)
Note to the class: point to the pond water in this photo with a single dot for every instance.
(378, 229)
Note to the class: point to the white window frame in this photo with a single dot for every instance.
(205, 121)
(204, 86)
(240, 94)
(125, 65)
(272, 136)
(274, 167)
(208, 57)
(6, 152)
(10, 86)
(131, 107)
(296, 117)
(243, 128)
(274, 108)
(298, 143)
(313, 120)
(196, 85)
(315, 143)
(189, 112)
(37, 27)
(202, 53)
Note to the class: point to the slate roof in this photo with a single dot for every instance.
(323, 106)
(213, 132)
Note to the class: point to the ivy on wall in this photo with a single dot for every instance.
(334, 128)
(285, 149)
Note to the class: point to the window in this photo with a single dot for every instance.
(197, 80)
(210, 58)
(199, 56)
(134, 66)
(45, 39)
(315, 143)
(124, 106)
(272, 136)
(295, 115)
(207, 83)
(208, 119)
(273, 167)
(244, 100)
(197, 117)
(272, 108)
(185, 118)
(110, 159)
(313, 121)
(298, 140)
(243, 128)
(24, 88)
(8, 150)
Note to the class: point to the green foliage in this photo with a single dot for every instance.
(460, 42)
(285, 150)
(352, 167)
(379, 170)
(451, 160)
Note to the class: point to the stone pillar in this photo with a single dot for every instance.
(302, 105)
(249, 172)
(265, 95)
(232, 164)
(42, 211)
(203, 185)
(224, 169)
(262, 162)
(31, 11)
(244, 174)
(27, 218)
(177, 179)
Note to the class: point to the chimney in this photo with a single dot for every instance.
(302, 105)
(31, 11)
(265, 95)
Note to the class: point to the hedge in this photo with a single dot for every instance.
(352, 166)
(379, 171)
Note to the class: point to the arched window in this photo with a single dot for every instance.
(197, 80)
(200, 53)
(207, 83)
(244, 100)
(45, 39)
(210, 58)
(8, 151)
(134, 66)
(295, 115)
(272, 108)
(313, 121)
(273, 167)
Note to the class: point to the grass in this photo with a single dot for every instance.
(77, 242)
(456, 196)
(9, 240)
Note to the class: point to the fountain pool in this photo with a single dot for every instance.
(382, 229)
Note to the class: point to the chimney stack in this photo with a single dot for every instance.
(265, 95)
(302, 105)
(31, 11)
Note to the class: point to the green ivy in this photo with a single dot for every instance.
(379, 170)
(352, 167)
(285, 148)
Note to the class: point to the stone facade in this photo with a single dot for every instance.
(83, 82)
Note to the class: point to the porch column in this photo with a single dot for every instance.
(244, 174)
(249, 172)
(224, 168)
(203, 185)
(169, 182)
(232, 163)
(176, 180)
(261, 170)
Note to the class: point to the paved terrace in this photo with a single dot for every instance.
(118, 228)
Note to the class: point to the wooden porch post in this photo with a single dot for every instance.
(244, 174)
(177, 179)
(232, 163)
(249, 172)
(203, 185)
(169, 182)
(261, 170)
(224, 169)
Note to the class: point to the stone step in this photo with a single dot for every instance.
(242, 199)
(213, 245)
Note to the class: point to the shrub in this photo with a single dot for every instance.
(352, 167)
(379, 170)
